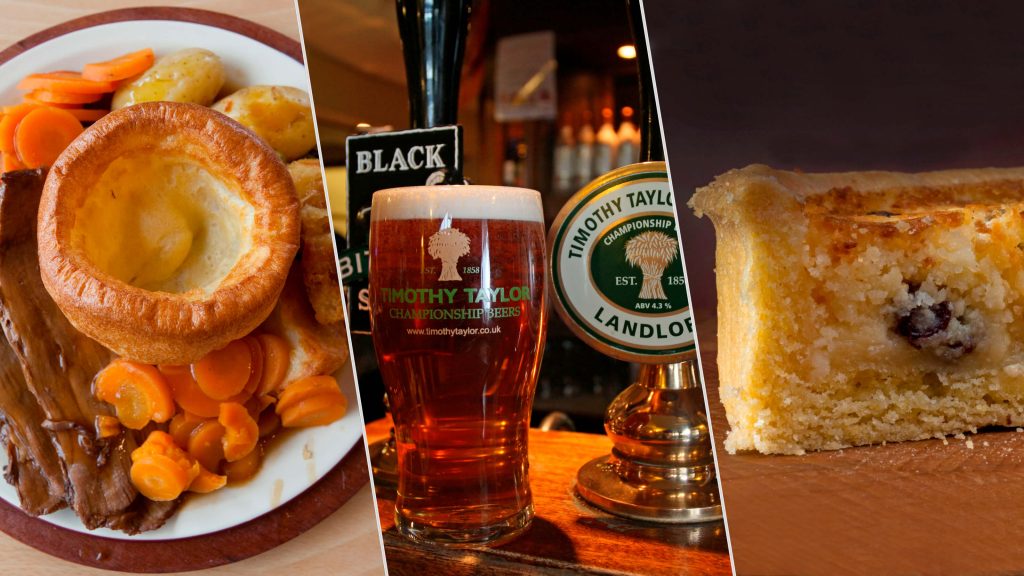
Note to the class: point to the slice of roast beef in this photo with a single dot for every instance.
(58, 363)
(144, 515)
(33, 467)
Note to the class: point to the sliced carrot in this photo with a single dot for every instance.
(159, 442)
(160, 469)
(256, 372)
(65, 81)
(305, 388)
(107, 426)
(207, 482)
(224, 373)
(311, 401)
(276, 357)
(43, 134)
(27, 100)
(182, 426)
(137, 391)
(11, 163)
(105, 386)
(82, 114)
(316, 411)
(241, 433)
(9, 125)
(207, 444)
(69, 98)
(8, 109)
(187, 393)
(158, 477)
(246, 467)
(87, 114)
(119, 68)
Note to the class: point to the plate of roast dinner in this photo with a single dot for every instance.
(173, 359)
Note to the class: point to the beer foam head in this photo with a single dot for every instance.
(466, 201)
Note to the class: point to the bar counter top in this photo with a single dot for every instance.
(568, 536)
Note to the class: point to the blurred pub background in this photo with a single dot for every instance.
(547, 101)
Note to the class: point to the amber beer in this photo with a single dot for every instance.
(457, 303)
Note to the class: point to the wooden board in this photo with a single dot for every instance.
(928, 507)
(567, 536)
(242, 541)
(262, 34)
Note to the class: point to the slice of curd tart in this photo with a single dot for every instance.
(865, 307)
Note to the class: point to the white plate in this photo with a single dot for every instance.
(296, 461)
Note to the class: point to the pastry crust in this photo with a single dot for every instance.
(862, 307)
(169, 327)
(765, 190)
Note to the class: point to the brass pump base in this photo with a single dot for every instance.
(661, 468)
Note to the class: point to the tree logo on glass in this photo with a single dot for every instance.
(448, 245)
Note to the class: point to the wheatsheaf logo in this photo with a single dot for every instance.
(652, 252)
(448, 245)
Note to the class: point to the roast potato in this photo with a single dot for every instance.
(319, 268)
(192, 75)
(279, 114)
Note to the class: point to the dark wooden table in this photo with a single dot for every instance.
(567, 536)
(927, 507)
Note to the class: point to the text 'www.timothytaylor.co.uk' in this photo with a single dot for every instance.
(452, 331)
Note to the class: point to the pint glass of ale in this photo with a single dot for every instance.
(457, 301)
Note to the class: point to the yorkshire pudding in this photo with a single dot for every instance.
(167, 230)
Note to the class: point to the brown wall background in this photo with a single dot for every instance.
(836, 85)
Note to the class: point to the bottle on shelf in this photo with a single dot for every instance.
(607, 143)
(565, 158)
(629, 139)
(585, 152)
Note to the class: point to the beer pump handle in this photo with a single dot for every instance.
(433, 36)
(651, 148)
